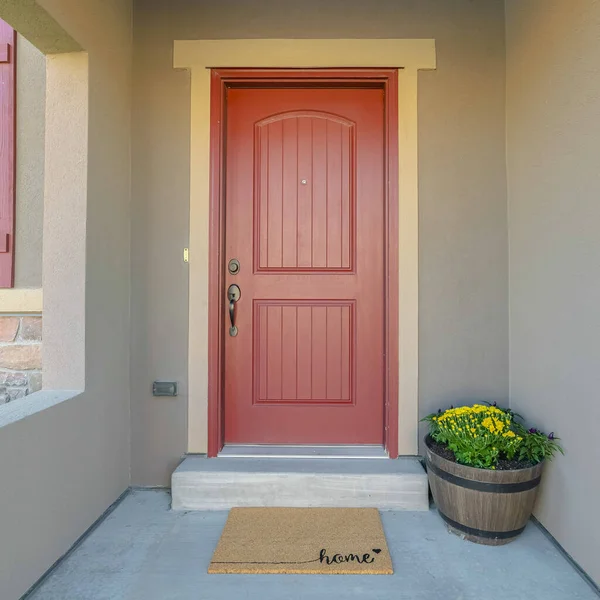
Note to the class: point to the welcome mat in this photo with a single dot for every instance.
(336, 541)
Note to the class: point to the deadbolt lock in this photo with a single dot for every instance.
(234, 266)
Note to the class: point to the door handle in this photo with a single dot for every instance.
(233, 295)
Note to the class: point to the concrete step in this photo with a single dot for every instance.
(222, 483)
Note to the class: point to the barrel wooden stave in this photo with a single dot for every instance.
(485, 517)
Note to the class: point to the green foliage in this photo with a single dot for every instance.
(481, 435)
(537, 446)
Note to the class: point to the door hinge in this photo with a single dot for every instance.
(186, 255)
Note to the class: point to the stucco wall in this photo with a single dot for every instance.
(31, 106)
(463, 251)
(79, 464)
(553, 129)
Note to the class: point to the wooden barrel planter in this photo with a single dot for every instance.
(483, 506)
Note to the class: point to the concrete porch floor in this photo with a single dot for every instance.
(143, 551)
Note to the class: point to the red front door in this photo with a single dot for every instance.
(304, 215)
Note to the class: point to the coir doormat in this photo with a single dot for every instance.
(336, 541)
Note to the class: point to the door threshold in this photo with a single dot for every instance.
(298, 451)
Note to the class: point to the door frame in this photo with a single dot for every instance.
(192, 59)
(221, 81)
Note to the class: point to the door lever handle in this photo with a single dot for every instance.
(233, 295)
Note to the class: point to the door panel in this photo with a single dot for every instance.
(305, 218)
(307, 225)
(304, 351)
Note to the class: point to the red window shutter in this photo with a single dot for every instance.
(8, 111)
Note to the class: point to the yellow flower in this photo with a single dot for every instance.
(488, 423)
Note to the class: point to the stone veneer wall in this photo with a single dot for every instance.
(20, 356)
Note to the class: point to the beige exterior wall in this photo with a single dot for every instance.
(553, 123)
(66, 454)
(31, 106)
(463, 252)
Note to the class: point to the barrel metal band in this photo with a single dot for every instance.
(483, 486)
(492, 535)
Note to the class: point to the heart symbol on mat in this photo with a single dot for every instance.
(377, 550)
